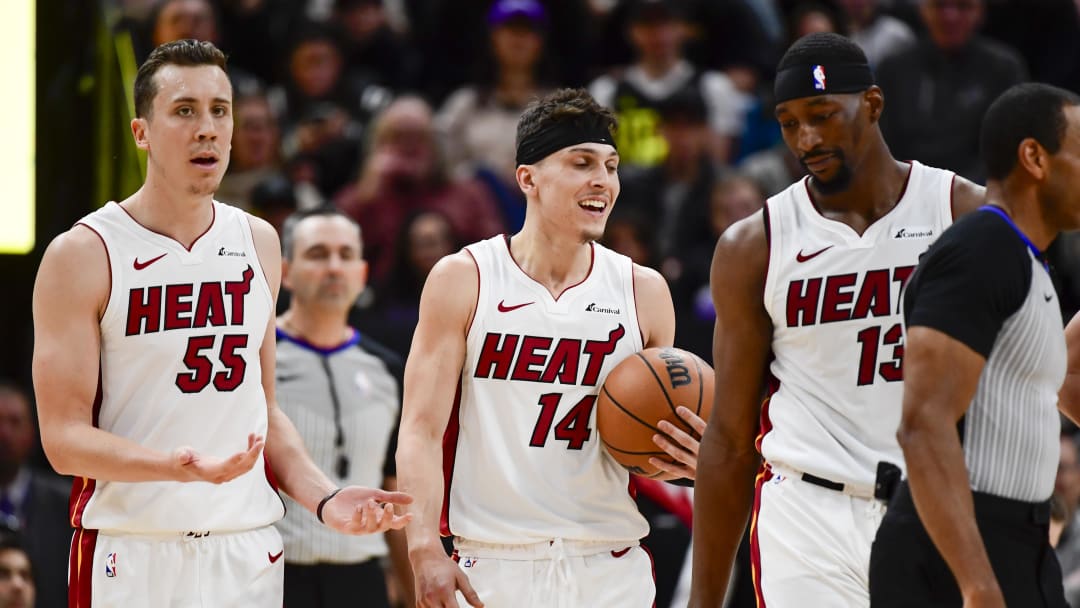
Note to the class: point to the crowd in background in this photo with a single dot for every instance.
(402, 113)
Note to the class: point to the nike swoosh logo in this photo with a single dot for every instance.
(274, 558)
(1048, 297)
(801, 257)
(504, 308)
(620, 552)
(140, 265)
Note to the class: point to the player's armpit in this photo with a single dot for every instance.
(967, 196)
(655, 310)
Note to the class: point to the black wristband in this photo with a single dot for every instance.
(322, 503)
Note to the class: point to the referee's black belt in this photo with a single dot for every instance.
(989, 507)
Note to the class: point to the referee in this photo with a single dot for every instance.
(985, 358)
(343, 393)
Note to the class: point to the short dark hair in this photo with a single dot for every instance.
(180, 52)
(288, 227)
(1031, 109)
(574, 107)
(822, 48)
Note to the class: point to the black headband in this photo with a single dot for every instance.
(810, 80)
(539, 145)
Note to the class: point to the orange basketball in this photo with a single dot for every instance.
(644, 389)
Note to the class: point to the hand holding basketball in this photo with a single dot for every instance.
(685, 447)
(641, 398)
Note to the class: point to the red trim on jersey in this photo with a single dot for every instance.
(771, 386)
(81, 568)
(652, 567)
(764, 475)
(450, 441)
(108, 263)
(266, 279)
(637, 309)
(952, 197)
(213, 218)
(82, 488)
(476, 307)
(269, 471)
(903, 191)
(592, 262)
(766, 219)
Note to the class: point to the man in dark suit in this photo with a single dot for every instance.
(33, 502)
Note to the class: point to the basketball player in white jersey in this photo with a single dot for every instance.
(516, 335)
(807, 300)
(154, 372)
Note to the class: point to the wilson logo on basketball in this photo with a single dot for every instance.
(677, 370)
(594, 308)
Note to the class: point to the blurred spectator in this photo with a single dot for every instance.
(403, 172)
(324, 109)
(657, 33)
(453, 36)
(316, 78)
(254, 32)
(172, 20)
(478, 122)
(256, 149)
(631, 233)
(17, 587)
(734, 197)
(879, 34)
(274, 199)
(425, 238)
(1045, 32)
(32, 502)
(939, 89)
(178, 19)
(812, 17)
(773, 169)
(372, 48)
(740, 37)
(674, 196)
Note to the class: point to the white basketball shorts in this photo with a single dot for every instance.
(559, 574)
(810, 545)
(196, 569)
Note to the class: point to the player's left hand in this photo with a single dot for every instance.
(359, 510)
(685, 448)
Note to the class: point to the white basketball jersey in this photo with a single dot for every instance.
(180, 342)
(834, 300)
(524, 461)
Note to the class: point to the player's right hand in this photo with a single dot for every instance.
(438, 579)
(192, 466)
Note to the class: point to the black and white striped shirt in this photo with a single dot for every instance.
(982, 284)
(345, 403)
